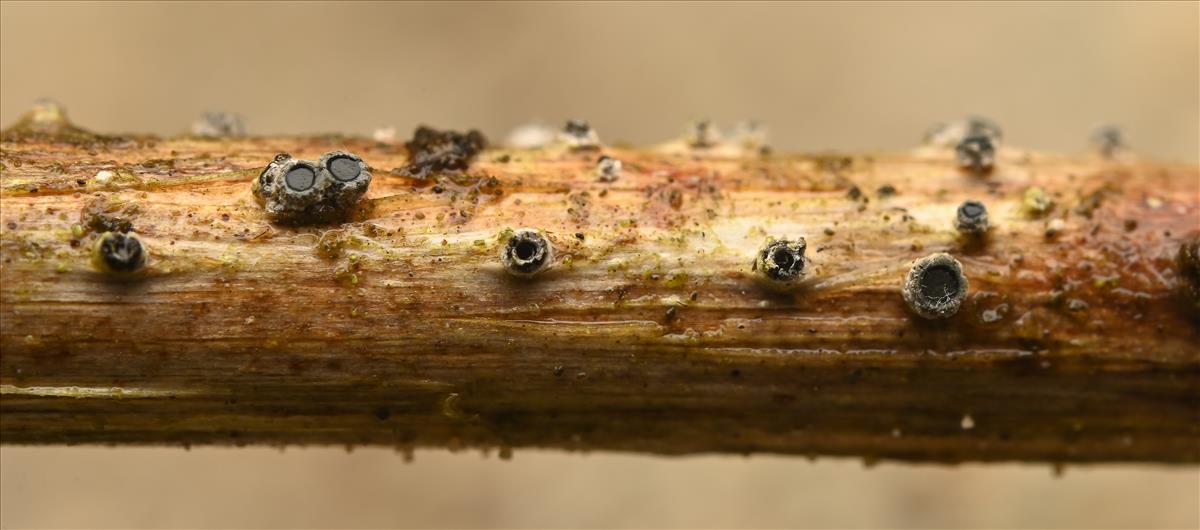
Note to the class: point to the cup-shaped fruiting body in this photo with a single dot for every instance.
(527, 252)
(782, 261)
(608, 169)
(972, 218)
(302, 190)
(349, 178)
(976, 153)
(119, 253)
(935, 286)
(577, 134)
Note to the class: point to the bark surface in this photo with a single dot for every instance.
(1078, 339)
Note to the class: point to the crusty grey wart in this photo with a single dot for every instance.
(935, 286)
(298, 190)
(527, 252)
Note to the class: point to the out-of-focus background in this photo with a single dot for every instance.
(820, 76)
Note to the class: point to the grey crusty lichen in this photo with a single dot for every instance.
(305, 191)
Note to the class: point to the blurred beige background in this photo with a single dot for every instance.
(821, 76)
(375, 488)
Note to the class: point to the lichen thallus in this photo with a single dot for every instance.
(291, 189)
